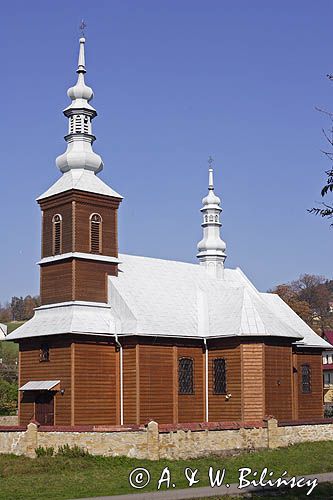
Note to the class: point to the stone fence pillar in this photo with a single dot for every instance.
(273, 433)
(31, 440)
(153, 441)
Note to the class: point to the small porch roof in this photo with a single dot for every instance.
(40, 385)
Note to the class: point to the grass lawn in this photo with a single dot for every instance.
(67, 478)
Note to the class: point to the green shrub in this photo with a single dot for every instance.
(44, 452)
(328, 412)
(8, 398)
(72, 451)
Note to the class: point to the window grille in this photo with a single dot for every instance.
(219, 376)
(185, 376)
(306, 379)
(57, 234)
(95, 233)
(44, 354)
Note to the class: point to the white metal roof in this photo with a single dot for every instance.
(68, 317)
(81, 179)
(39, 385)
(167, 298)
(3, 331)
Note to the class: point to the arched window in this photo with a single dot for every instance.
(306, 379)
(95, 233)
(57, 234)
(219, 376)
(185, 376)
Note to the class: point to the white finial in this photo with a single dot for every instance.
(210, 179)
(80, 113)
(81, 67)
(211, 249)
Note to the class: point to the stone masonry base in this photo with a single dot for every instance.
(165, 441)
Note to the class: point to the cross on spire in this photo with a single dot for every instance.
(82, 27)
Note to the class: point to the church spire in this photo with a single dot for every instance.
(79, 153)
(211, 249)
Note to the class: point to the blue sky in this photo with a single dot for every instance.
(175, 81)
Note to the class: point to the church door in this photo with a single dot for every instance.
(44, 404)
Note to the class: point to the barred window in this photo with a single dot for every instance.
(306, 379)
(185, 376)
(95, 233)
(57, 234)
(219, 376)
(44, 354)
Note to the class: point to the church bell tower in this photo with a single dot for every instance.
(79, 212)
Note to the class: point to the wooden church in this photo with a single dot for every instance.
(121, 339)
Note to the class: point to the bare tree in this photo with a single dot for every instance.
(326, 209)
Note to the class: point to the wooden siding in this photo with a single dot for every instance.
(57, 368)
(191, 406)
(278, 381)
(83, 212)
(156, 383)
(95, 384)
(56, 282)
(65, 210)
(220, 408)
(309, 405)
(76, 208)
(253, 387)
(75, 279)
(129, 385)
(90, 280)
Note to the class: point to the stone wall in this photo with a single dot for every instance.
(166, 442)
(9, 420)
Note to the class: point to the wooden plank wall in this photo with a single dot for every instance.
(156, 383)
(309, 405)
(253, 386)
(150, 375)
(95, 384)
(65, 210)
(129, 384)
(220, 408)
(278, 381)
(56, 282)
(75, 279)
(57, 368)
(90, 280)
(191, 407)
(82, 227)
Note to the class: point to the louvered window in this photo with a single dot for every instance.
(95, 233)
(78, 124)
(86, 125)
(57, 234)
(71, 124)
(306, 379)
(185, 376)
(219, 376)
